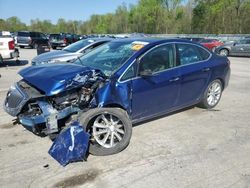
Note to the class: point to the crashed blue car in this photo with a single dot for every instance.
(120, 83)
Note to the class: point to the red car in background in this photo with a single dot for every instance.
(211, 44)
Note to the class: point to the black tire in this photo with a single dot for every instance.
(35, 46)
(21, 46)
(54, 47)
(224, 52)
(204, 101)
(87, 120)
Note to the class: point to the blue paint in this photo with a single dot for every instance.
(53, 79)
(141, 97)
(71, 145)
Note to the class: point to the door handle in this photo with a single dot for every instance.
(206, 69)
(174, 79)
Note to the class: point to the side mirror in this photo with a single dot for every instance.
(145, 73)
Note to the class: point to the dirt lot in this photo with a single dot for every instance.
(192, 148)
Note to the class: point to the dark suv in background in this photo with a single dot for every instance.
(61, 40)
(31, 39)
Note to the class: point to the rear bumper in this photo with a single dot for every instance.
(58, 44)
(10, 54)
(23, 44)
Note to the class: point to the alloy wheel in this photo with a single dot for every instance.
(224, 52)
(108, 130)
(214, 93)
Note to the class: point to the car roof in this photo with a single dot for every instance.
(150, 40)
(96, 39)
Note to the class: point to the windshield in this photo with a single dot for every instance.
(77, 45)
(109, 57)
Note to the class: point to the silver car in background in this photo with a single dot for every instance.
(237, 48)
(69, 53)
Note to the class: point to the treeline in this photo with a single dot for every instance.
(153, 16)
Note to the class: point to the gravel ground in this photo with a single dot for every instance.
(191, 148)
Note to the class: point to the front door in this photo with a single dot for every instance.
(156, 87)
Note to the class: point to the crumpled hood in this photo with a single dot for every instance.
(53, 79)
(57, 54)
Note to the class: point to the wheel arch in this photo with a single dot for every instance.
(222, 82)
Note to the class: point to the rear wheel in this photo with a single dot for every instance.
(212, 95)
(21, 46)
(53, 47)
(35, 45)
(110, 130)
(224, 52)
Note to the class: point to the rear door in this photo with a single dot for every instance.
(158, 92)
(195, 72)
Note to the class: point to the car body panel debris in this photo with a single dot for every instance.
(71, 145)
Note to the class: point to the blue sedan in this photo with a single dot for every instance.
(120, 83)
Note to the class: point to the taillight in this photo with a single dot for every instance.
(65, 41)
(11, 45)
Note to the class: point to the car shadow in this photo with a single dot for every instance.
(163, 116)
(11, 63)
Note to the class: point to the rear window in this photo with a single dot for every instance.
(56, 36)
(23, 34)
(78, 45)
(189, 53)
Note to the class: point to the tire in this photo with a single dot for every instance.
(21, 46)
(94, 123)
(224, 52)
(54, 47)
(35, 46)
(212, 95)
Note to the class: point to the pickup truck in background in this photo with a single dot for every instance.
(7, 47)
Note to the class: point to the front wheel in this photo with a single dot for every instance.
(110, 130)
(212, 95)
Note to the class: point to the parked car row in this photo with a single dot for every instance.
(34, 39)
(118, 83)
(240, 47)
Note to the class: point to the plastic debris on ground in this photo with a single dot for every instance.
(71, 145)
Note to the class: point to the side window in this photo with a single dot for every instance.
(204, 54)
(189, 53)
(130, 73)
(158, 59)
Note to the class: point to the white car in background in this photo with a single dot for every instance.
(7, 46)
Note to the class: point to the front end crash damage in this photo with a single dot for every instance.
(45, 114)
